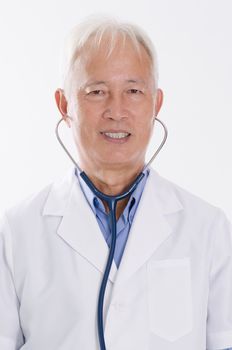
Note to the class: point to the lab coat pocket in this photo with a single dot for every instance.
(169, 298)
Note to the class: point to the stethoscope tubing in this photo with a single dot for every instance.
(112, 204)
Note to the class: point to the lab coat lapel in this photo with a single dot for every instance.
(150, 227)
(78, 227)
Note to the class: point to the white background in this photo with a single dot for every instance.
(194, 43)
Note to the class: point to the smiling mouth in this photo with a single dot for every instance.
(116, 135)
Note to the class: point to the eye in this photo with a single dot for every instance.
(134, 91)
(96, 92)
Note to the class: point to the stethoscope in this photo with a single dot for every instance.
(112, 204)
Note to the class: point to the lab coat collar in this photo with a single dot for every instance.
(150, 227)
(80, 230)
(78, 227)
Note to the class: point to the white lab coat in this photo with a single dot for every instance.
(173, 290)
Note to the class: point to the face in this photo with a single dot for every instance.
(114, 108)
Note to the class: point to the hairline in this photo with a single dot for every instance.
(93, 36)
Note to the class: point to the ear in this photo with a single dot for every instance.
(158, 101)
(62, 105)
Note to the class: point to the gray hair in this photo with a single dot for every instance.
(92, 32)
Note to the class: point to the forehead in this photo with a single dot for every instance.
(121, 57)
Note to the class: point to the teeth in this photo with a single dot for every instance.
(116, 135)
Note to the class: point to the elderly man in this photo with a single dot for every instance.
(170, 284)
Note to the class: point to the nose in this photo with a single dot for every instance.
(115, 108)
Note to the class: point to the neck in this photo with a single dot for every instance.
(113, 182)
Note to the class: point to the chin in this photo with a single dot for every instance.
(118, 163)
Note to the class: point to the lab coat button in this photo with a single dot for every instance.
(119, 307)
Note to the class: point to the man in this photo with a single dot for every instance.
(170, 285)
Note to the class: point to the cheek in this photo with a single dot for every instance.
(144, 124)
(144, 131)
(145, 114)
(85, 126)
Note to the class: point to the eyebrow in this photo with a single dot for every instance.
(136, 81)
(99, 82)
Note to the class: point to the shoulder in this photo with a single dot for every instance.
(191, 204)
(188, 213)
(30, 209)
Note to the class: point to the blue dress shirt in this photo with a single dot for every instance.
(123, 223)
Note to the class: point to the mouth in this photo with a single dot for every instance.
(118, 137)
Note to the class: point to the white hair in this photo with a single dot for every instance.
(92, 32)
